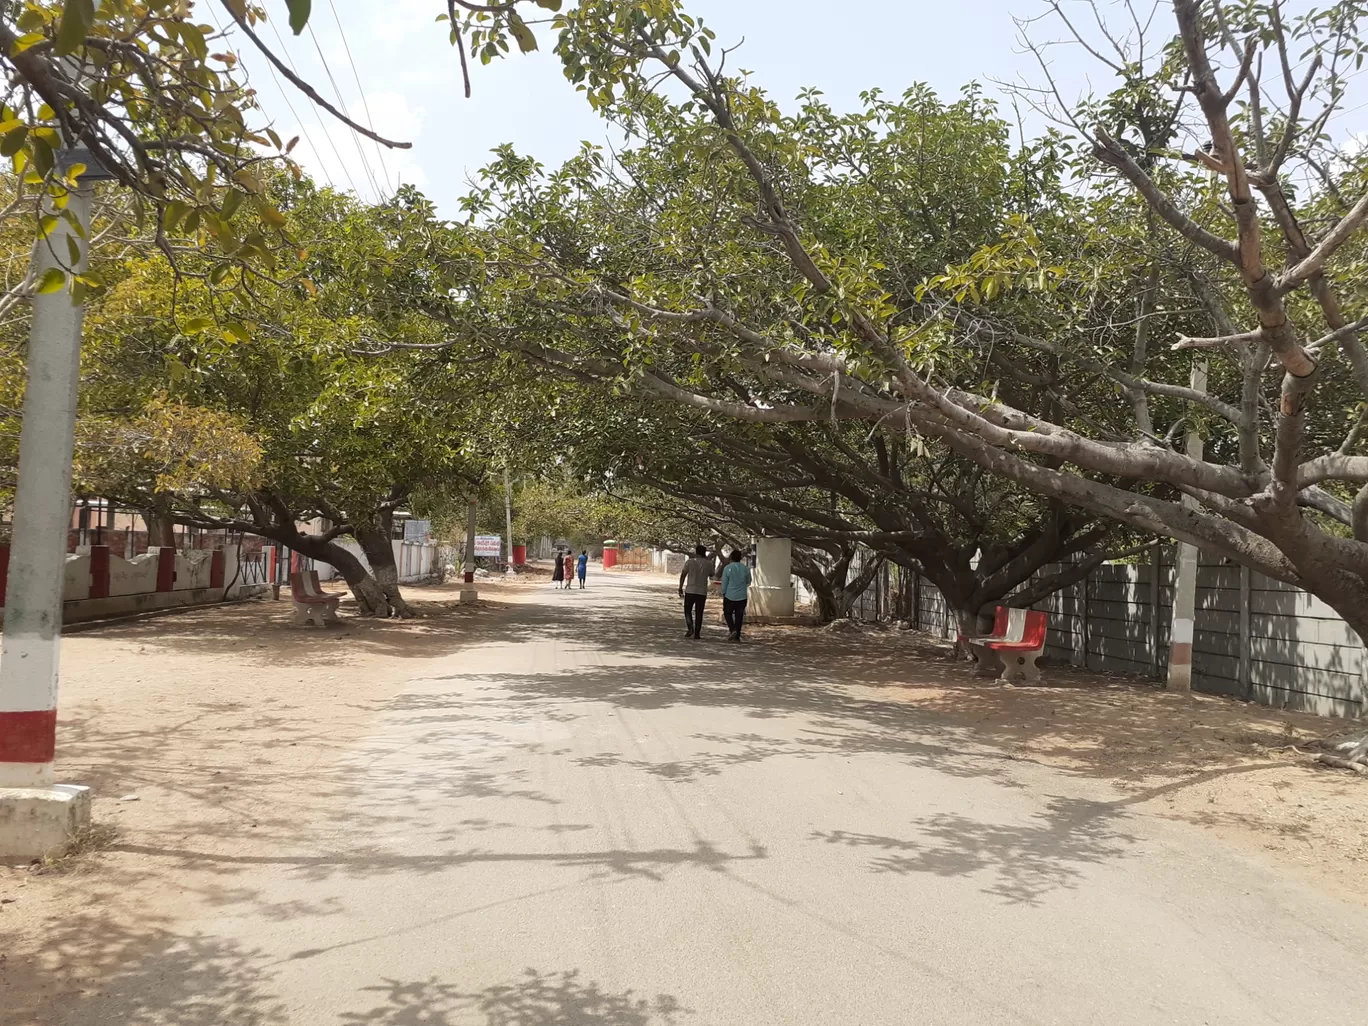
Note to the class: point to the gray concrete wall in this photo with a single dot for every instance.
(1290, 650)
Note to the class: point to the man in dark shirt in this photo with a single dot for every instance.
(693, 589)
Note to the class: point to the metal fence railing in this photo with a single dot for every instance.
(252, 569)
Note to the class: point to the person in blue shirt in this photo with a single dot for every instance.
(582, 567)
(736, 579)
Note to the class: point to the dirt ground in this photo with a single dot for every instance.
(1243, 771)
(186, 726)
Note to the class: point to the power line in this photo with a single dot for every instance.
(365, 103)
(365, 164)
(342, 163)
(284, 95)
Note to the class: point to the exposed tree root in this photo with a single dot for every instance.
(1334, 760)
(1356, 759)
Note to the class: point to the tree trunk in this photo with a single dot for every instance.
(829, 604)
(370, 598)
(161, 531)
(835, 591)
(376, 542)
(968, 623)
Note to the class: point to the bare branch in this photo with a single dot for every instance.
(304, 86)
(1244, 338)
(1333, 240)
(1109, 151)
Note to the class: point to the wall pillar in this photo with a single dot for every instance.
(99, 571)
(166, 568)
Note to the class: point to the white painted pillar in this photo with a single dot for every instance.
(771, 592)
(1185, 575)
(42, 515)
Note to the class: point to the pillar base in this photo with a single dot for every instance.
(771, 602)
(468, 596)
(40, 821)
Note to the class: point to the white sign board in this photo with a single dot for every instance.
(417, 530)
(488, 545)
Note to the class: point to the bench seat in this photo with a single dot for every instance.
(311, 603)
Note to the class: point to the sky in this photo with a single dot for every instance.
(394, 68)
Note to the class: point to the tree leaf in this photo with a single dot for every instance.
(194, 40)
(270, 214)
(527, 40)
(231, 202)
(299, 14)
(13, 141)
(77, 18)
(25, 41)
(53, 280)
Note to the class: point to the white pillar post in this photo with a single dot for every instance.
(42, 516)
(772, 590)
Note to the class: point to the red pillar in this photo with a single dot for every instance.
(519, 555)
(166, 569)
(216, 569)
(99, 571)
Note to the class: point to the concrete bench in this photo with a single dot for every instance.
(1017, 641)
(311, 603)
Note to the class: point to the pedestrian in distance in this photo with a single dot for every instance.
(558, 574)
(736, 579)
(693, 589)
(582, 567)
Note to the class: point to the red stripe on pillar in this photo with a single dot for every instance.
(4, 571)
(216, 569)
(166, 569)
(99, 571)
(28, 736)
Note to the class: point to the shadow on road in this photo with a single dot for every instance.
(534, 999)
(1024, 862)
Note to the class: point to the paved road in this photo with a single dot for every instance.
(588, 821)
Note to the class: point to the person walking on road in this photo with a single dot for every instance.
(582, 567)
(558, 574)
(736, 579)
(693, 589)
